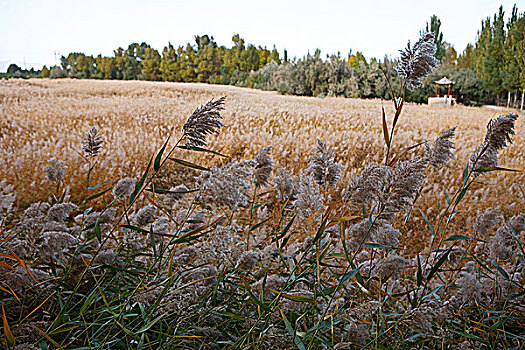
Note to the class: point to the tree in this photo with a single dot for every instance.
(450, 57)
(57, 72)
(494, 61)
(45, 72)
(106, 67)
(467, 87)
(207, 58)
(434, 27)
(133, 57)
(274, 56)
(356, 60)
(232, 57)
(151, 64)
(264, 56)
(514, 53)
(78, 65)
(85, 66)
(120, 62)
(489, 53)
(465, 59)
(14, 71)
(249, 59)
(264, 78)
(188, 67)
(131, 65)
(169, 68)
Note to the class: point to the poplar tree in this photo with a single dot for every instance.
(435, 27)
(169, 67)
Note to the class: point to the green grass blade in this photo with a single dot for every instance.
(158, 158)
(189, 164)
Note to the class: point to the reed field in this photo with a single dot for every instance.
(274, 222)
(43, 119)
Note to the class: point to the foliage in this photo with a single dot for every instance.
(497, 53)
(14, 71)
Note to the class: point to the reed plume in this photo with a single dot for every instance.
(92, 143)
(203, 122)
(499, 132)
(263, 167)
(440, 152)
(418, 61)
(55, 170)
(323, 168)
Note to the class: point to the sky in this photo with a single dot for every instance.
(37, 32)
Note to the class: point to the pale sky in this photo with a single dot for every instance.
(33, 30)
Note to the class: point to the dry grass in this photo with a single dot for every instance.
(224, 268)
(41, 119)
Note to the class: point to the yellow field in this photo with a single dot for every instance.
(41, 119)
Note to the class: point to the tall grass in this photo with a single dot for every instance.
(303, 251)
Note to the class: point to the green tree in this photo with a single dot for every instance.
(514, 69)
(120, 62)
(207, 64)
(45, 72)
(274, 56)
(494, 61)
(467, 87)
(78, 65)
(188, 69)
(465, 59)
(232, 58)
(356, 60)
(489, 53)
(132, 62)
(435, 27)
(169, 67)
(450, 57)
(106, 67)
(151, 64)
(249, 59)
(85, 66)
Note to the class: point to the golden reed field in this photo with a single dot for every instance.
(41, 119)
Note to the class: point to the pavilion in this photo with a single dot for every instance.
(448, 99)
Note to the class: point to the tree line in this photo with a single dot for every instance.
(491, 70)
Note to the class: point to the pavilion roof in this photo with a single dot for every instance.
(444, 81)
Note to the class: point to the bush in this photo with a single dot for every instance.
(57, 73)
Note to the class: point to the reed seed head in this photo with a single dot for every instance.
(322, 166)
(263, 167)
(309, 199)
(225, 186)
(499, 132)
(55, 170)
(92, 143)
(402, 184)
(441, 152)
(367, 187)
(204, 121)
(124, 188)
(418, 61)
(285, 184)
